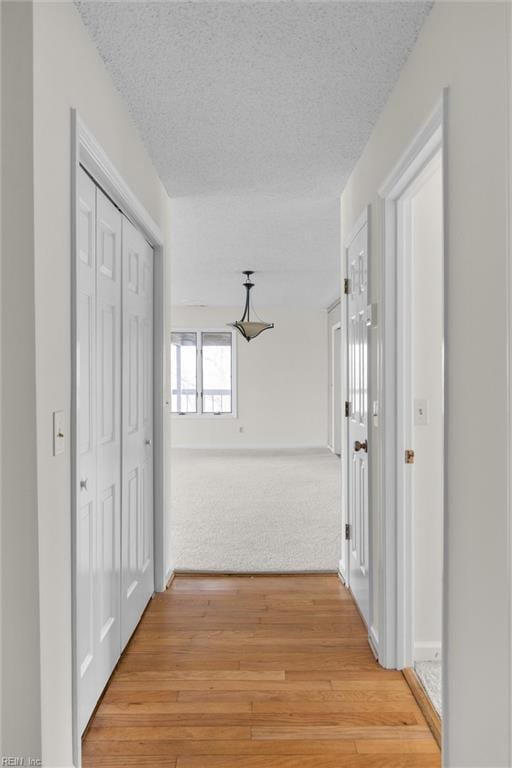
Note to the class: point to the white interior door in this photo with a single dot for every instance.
(357, 453)
(137, 516)
(99, 443)
(336, 390)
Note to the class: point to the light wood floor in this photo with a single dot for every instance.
(256, 672)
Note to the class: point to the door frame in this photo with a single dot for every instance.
(86, 151)
(396, 556)
(364, 219)
(334, 328)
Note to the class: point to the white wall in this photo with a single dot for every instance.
(21, 705)
(1, 496)
(282, 382)
(462, 46)
(333, 317)
(68, 72)
(427, 334)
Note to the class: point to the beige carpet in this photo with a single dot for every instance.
(255, 510)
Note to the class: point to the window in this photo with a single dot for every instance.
(202, 373)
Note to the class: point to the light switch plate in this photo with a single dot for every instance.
(58, 433)
(421, 412)
(375, 413)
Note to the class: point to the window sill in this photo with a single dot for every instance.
(203, 416)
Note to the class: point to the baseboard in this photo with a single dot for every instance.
(201, 572)
(424, 703)
(427, 651)
(171, 573)
(252, 447)
(373, 640)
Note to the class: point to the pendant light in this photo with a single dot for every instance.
(247, 327)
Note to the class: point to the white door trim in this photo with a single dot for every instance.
(86, 151)
(334, 328)
(395, 594)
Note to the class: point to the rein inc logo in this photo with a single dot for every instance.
(21, 761)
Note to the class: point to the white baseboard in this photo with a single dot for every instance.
(341, 572)
(428, 651)
(169, 576)
(252, 447)
(373, 639)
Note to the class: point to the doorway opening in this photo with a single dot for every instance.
(421, 215)
(412, 523)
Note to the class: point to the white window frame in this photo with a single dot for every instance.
(199, 380)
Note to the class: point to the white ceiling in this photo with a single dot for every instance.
(254, 114)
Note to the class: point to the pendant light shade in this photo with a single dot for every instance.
(248, 328)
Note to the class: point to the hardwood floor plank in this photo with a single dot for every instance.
(256, 672)
(159, 733)
(295, 761)
(238, 747)
(359, 733)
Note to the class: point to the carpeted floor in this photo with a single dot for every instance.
(255, 510)
(430, 674)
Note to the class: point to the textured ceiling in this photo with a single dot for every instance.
(256, 107)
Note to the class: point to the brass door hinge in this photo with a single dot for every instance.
(347, 408)
(346, 286)
(409, 456)
(347, 532)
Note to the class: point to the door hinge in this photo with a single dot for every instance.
(346, 286)
(347, 408)
(347, 531)
(409, 456)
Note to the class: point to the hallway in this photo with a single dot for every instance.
(256, 672)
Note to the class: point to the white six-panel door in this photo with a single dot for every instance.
(114, 544)
(108, 432)
(137, 536)
(86, 628)
(358, 508)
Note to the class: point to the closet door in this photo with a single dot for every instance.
(99, 446)
(137, 511)
(108, 418)
(86, 645)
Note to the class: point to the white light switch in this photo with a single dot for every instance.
(421, 412)
(375, 413)
(58, 433)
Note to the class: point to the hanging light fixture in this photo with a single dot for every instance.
(247, 327)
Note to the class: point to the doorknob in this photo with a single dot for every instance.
(148, 442)
(83, 484)
(358, 446)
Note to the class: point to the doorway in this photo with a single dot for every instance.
(412, 538)
(421, 212)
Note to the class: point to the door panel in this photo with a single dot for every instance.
(137, 520)
(108, 382)
(358, 511)
(99, 443)
(87, 664)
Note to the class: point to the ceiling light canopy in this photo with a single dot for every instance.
(247, 327)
